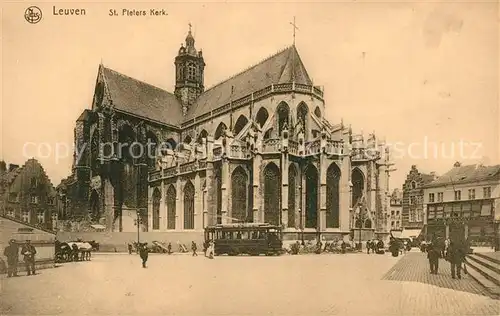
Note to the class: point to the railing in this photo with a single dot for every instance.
(238, 151)
(334, 147)
(364, 154)
(277, 88)
(313, 148)
(293, 147)
(170, 172)
(271, 145)
(154, 175)
(188, 167)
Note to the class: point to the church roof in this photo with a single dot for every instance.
(283, 67)
(467, 174)
(139, 98)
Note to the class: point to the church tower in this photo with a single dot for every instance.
(189, 71)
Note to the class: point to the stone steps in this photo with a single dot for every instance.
(486, 272)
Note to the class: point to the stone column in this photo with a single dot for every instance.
(345, 194)
(109, 203)
(178, 205)
(284, 189)
(163, 207)
(447, 231)
(198, 203)
(150, 209)
(225, 193)
(211, 205)
(466, 231)
(322, 192)
(205, 206)
(303, 193)
(257, 198)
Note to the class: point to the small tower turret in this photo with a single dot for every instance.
(189, 70)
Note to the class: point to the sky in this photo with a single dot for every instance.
(422, 76)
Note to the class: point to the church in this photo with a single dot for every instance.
(253, 148)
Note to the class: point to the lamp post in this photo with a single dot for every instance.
(360, 216)
(138, 222)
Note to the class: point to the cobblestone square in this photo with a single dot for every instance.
(352, 284)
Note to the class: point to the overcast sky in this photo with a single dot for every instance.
(413, 73)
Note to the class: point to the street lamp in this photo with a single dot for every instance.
(138, 222)
(361, 217)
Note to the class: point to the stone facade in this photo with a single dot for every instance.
(237, 152)
(395, 210)
(27, 195)
(413, 198)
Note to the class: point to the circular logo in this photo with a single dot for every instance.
(33, 14)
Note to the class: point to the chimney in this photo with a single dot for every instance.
(3, 166)
(13, 167)
(457, 164)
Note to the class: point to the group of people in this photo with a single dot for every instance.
(28, 251)
(143, 250)
(376, 246)
(454, 252)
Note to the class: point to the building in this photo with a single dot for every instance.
(27, 194)
(395, 209)
(464, 203)
(412, 213)
(253, 148)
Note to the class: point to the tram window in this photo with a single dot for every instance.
(245, 235)
(238, 235)
(254, 234)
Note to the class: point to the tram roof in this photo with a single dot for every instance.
(244, 225)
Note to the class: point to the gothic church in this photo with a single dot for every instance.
(253, 148)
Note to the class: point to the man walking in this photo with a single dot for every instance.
(29, 252)
(456, 255)
(433, 256)
(194, 248)
(143, 252)
(12, 254)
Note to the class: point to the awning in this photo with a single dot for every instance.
(396, 233)
(98, 226)
(410, 233)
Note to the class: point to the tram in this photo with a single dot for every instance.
(249, 238)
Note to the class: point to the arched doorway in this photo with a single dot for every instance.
(239, 186)
(156, 209)
(283, 113)
(311, 197)
(189, 205)
(95, 210)
(292, 195)
(171, 196)
(358, 184)
(272, 194)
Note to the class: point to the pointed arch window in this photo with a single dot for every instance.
(171, 196)
(189, 205)
(156, 209)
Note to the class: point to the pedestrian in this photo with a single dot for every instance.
(129, 249)
(12, 254)
(169, 248)
(143, 252)
(368, 246)
(29, 252)
(194, 248)
(343, 246)
(456, 256)
(433, 256)
(211, 250)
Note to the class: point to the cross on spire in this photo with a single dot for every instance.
(189, 26)
(294, 28)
